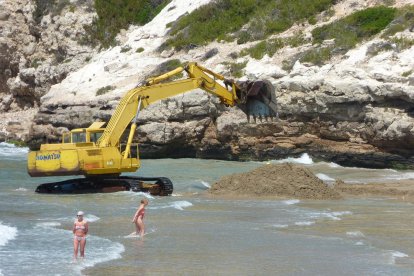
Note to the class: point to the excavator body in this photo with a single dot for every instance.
(97, 153)
(78, 154)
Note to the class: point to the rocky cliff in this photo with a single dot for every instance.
(39, 46)
(357, 109)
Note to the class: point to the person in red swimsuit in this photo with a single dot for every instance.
(139, 219)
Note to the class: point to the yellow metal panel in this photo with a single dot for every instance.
(132, 164)
(84, 144)
(53, 163)
(96, 125)
(69, 160)
(48, 161)
(31, 161)
(57, 146)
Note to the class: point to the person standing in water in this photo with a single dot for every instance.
(80, 230)
(139, 219)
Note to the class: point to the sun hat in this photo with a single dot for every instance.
(80, 213)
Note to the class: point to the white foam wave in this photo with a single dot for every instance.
(174, 194)
(111, 252)
(355, 234)
(291, 201)
(359, 243)
(48, 224)
(1, 274)
(134, 194)
(87, 217)
(21, 189)
(91, 218)
(342, 213)
(334, 165)
(98, 250)
(10, 150)
(280, 225)
(135, 235)
(304, 223)
(395, 255)
(303, 159)
(206, 184)
(141, 194)
(398, 254)
(401, 176)
(180, 205)
(330, 215)
(7, 233)
(354, 182)
(324, 177)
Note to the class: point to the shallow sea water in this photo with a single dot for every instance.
(192, 233)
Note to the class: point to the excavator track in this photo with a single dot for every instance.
(160, 186)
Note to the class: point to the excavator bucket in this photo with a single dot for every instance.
(257, 99)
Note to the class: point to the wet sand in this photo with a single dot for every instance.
(402, 190)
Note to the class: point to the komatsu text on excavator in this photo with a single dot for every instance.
(97, 153)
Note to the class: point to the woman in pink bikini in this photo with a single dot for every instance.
(80, 229)
(139, 219)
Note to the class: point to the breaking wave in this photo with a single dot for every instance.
(11, 151)
(7, 233)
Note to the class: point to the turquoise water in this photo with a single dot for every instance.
(192, 233)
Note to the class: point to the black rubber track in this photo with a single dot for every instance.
(99, 185)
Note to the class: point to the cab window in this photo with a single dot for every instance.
(66, 137)
(79, 137)
(95, 136)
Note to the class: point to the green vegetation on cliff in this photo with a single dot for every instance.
(345, 33)
(114, 15)
(352, 29)
(222, 18)
(404, 19)
(271, 46)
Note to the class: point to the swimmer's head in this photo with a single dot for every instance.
(80, 213)
(144, 201)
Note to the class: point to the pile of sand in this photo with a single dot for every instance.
(282, 180)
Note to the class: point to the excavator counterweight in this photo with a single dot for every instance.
(97, 153)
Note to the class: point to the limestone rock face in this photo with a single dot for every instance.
(37, 50)
(351, 103)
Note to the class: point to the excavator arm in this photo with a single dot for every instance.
(155, 90)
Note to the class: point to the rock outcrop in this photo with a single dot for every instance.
(39, 46)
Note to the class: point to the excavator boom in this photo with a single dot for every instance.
(97, 152)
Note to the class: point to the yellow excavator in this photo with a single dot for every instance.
(97, 153)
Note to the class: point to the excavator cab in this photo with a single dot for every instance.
(84, 135)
